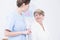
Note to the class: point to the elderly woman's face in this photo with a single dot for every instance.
(38, 17)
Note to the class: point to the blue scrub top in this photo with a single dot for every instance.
(15, 23)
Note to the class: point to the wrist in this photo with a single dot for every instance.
(23, 32)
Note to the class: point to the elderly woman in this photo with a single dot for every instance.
(39, 32)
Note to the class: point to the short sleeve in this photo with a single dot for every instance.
(9, 22)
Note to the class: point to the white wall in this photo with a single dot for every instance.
(51, 8)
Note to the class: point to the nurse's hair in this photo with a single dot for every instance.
(20, 2)
(39, 11)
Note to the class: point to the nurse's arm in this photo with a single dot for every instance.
(9, 33)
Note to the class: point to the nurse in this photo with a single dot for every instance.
(15, 24)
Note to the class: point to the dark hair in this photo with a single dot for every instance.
(40, 12)
(20, 2)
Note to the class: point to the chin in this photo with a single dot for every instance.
(24, 10)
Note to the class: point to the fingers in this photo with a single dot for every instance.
(28, 32)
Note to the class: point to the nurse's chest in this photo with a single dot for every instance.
(19, 24)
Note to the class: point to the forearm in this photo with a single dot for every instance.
(13, 33)
(9, 33)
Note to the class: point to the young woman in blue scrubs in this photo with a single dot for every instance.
(15, 25)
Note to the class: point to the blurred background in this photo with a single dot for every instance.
(52, 14)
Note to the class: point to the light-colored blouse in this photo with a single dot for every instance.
(38, 33)
(15, 23)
